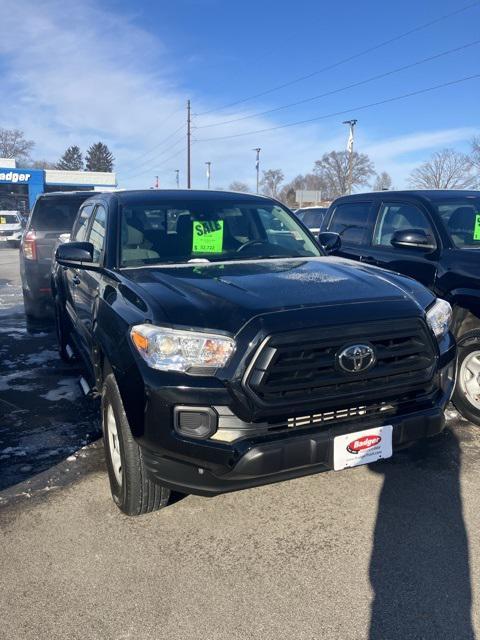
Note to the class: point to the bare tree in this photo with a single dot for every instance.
(383, 182)
(271, 181)
(333, 169)
(309, 181)
(475, 157)
(39, 164)
(13, 144)
(236, 185)
(446, 169)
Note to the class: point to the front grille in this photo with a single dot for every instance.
(6, 233)
(302, 366)
(339, 415)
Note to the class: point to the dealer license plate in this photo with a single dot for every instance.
(362, 447)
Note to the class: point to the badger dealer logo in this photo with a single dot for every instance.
(361, 444)
(362, 447)
(14, 176)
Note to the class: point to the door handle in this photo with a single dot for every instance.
(76, 280)
(368, 260)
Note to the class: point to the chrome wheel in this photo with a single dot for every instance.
(114, 445)
(469, 378)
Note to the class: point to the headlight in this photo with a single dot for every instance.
(176, 350)
(439, 317)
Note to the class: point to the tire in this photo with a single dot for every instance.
(31, 309)
(466, 396)
(132, 491)
(62, 331)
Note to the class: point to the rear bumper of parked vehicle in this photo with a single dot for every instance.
(36, 284)
(210, 467)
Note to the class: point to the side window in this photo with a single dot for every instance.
(397, 216)
(350, 220)
(80, 229)
(97, 232)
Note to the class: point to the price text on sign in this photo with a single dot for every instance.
(207, 236)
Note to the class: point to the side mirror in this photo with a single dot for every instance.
(412, 239)
(74, 254)
(330, 241)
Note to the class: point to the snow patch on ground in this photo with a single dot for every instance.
(8, 452)
(47, 355)
(67, 389)
(15, 380)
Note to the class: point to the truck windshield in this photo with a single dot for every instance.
(462, 220)
(210, 231)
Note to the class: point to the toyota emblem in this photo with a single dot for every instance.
(356, 358)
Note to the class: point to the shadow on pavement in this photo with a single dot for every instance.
(419, 567)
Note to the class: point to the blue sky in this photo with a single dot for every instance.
(77, 72)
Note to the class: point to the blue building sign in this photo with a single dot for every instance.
(19, 188)
(15, 183)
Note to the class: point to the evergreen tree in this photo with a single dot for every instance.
(71, 160)
(99, 158)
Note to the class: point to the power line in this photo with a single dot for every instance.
(344, 88)
(155, 158)
(344, 111)
(159, 164)
(334, 65)
(158, 145)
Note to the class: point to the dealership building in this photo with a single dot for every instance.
(20, 187)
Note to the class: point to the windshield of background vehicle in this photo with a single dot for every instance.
(55, 214)
(212, 231)
(9, 218)
(462, 220)
(312, 218)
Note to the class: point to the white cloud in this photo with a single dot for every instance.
(420, 141)
(76, 73)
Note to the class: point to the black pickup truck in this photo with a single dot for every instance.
(434, 237)
(231, 352)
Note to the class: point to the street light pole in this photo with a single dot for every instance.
(351, 124)
(257, 165)
(209, 166)
(189, 144)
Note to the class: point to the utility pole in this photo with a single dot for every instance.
(209, 171)
(177, 178)
(189, 144)
(257, 165)
(351, 124)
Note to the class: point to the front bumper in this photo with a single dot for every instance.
(209, 467)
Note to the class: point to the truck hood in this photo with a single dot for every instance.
(225, 296)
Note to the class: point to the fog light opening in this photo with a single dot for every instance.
(195, 422)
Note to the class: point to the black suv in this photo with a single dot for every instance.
(52, 216)
(434, 237)
(231, 352)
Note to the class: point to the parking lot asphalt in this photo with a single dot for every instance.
(389, 551)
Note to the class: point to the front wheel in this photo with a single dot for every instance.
(466, 396)
(132, 491)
